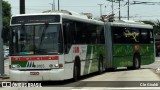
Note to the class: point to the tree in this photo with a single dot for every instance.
(6, 13)
(155, 24)
(157, 27)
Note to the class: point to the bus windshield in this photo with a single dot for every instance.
(35, 39)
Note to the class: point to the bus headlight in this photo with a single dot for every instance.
(59, 65)
(15, 66)
(56, 65)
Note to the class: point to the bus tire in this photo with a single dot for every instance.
(76, 70)
(75, 73)
(100, 65)
(136, 62)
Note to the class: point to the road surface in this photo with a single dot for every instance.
(148, 77)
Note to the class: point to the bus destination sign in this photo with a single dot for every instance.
(35, 19)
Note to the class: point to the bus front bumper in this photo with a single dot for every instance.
(38, 75)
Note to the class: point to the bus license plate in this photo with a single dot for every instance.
(34, 73)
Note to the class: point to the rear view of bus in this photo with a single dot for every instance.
(35, 48)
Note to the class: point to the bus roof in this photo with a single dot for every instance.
(67, 15)
(131, 24)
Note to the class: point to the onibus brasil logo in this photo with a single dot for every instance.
(20, 84)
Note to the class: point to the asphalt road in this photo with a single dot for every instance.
(148, 77)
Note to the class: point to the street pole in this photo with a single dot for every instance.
(58, 5)
(53, 5)
(22, 6)
(100, 9)
(128, 9)
(119, 10)
(112, 7)
(1, 42)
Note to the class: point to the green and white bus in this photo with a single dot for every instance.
(65, 45)
(129, 44)
(55, 46)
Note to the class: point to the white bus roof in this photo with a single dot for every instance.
(131, 24)
(67, 15)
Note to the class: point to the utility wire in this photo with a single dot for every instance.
(117, 9)
(146, 3)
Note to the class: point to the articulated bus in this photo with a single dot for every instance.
(129, 44)
(65, 45)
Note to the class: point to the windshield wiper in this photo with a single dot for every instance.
(24, 34)
(43, 34)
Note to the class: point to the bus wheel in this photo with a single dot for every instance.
(136, 62)
(76, 72)
(100, 65)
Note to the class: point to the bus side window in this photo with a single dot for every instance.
(80, 33)
(145, 36)
(66, 41)
(118, 35)
(68, 29)
(151, 36)
(101, 36)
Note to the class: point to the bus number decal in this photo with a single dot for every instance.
(40, 66)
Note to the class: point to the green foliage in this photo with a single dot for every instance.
(6, 12)
(155, 24)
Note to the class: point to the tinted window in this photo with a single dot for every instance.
(82, 33)
(118, 34)
(144, 36)
(131, 35)
(89, 33)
